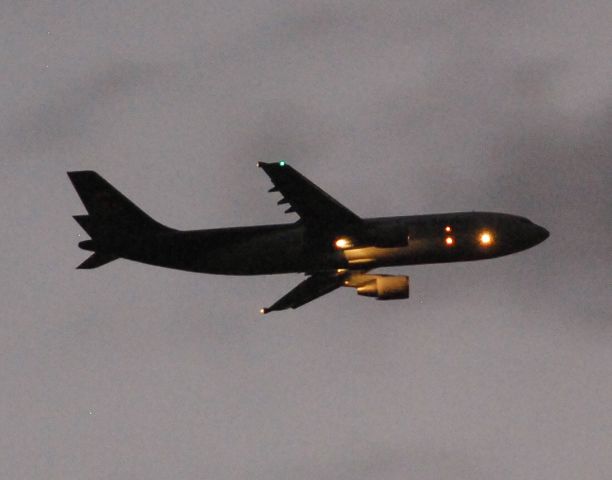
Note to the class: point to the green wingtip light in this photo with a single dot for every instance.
(282, 163)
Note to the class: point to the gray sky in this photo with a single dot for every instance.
(492, 370)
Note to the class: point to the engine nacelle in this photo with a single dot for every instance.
(386, 287)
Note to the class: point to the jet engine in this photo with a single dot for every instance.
(385, 287)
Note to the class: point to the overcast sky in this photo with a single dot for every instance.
(499, 369)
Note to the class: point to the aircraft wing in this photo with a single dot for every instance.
(315, 207)
(310, 289)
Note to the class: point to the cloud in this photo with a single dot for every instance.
(63, 113)
(492, 370)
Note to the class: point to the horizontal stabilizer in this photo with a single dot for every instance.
(97, 260)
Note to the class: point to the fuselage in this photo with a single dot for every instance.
(376, 242)
(331, 244)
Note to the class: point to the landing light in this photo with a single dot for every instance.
(449, 241)
(486, 238)
(343, 243)
(448, 229)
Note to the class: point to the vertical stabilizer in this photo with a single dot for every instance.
(112, 220)
(107, 206)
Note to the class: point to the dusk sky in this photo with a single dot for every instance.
(499, 369)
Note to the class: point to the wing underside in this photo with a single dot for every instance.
(310, 289)
(380, 286)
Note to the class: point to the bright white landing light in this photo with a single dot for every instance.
(343, 243)
(486, 238)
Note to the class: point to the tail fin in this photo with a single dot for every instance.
(111, 216)
(105, 204)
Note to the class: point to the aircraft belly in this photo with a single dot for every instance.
(266, 254)
(246, 260)
(256, 254)
(371, 257)
(419, 251)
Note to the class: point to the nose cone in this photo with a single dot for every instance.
(540, 234)
(523, 234)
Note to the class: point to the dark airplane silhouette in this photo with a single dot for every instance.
(329, 243)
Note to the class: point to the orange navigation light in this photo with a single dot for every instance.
(343, 243)
(450, 241)
(486, 239)
(448, 229)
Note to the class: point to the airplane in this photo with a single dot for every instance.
(329, 243)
